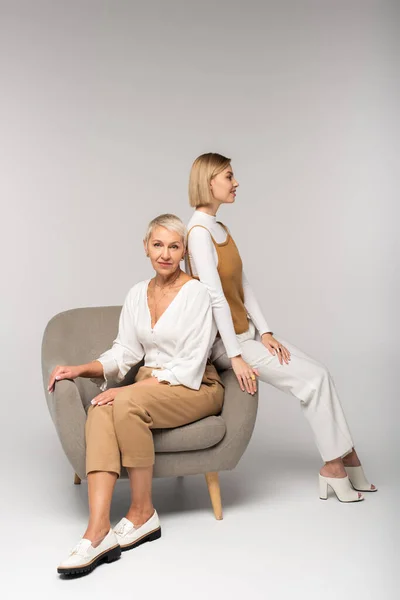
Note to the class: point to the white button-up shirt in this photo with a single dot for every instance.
(178, 345)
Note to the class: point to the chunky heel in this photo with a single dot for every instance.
(150, 537)
(342, 488)
(155, 535)
(323, 489)
(113, 555)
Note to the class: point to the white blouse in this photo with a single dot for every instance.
(204, 262)
(178, 345)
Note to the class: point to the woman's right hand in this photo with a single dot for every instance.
(63, 372)
(245, 375)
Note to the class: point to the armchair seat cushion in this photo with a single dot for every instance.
(195, 436)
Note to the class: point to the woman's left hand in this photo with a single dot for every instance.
(276, 348)
(106, 397)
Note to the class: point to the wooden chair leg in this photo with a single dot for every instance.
(215, 494)
(77, 480)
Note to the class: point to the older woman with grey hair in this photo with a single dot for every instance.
(167, 320)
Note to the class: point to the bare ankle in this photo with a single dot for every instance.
(138, 515)
(96, 532)
(351, 459)
(333, 468)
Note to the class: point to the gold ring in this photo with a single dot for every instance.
(253, 377)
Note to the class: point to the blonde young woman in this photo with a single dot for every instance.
(214, 258)
(168, 321)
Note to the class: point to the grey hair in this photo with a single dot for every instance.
(171, 222)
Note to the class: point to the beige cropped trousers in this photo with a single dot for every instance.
(306, 379)
(121, 433)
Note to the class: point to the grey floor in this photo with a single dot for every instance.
(277, 539)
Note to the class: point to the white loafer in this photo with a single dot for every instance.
(84, 557)
(358, 479)
(129, 536)
(342, 488)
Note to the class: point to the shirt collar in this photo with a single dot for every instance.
(205, 217)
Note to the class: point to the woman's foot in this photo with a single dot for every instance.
(140, 528)
(342, 488)
(334, 469)
(349, 466)
(351, 459)
(356, 474)
(96, 533)
(85, 556)
(139, 516)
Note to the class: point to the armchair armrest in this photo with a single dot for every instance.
(69, 417)
(239, 412)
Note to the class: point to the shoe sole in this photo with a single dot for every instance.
(107, 556)
(149, 537)
(343, 501)
(346, 501)
(368, 491)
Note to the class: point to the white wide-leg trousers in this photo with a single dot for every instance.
(304, 378)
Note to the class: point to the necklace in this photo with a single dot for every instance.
(168, 285)
(164, 290)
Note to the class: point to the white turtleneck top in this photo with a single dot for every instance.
(204, 262)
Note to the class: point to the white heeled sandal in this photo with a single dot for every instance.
(342, 488)
(358, 480)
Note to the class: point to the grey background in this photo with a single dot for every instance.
(104, 106)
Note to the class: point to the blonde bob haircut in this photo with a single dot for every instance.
(170, 222)
(204, 169)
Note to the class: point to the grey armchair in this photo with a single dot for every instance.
(207, 446)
